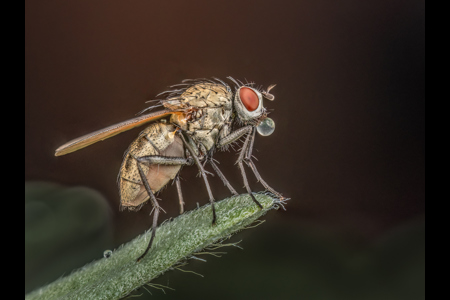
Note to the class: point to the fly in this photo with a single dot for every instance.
(199, 117)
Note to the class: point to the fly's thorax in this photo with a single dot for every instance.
(205, 138)
(201, 95)
(204, 128)
(206, 108)
(208, 95)
(209, 118)
(225, 130)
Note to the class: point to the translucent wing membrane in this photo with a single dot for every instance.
(110, 131)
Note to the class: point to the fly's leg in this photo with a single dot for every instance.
(202, 172)
(167, 160)
(180, 195)
(156, 207)
(241, 167)
(247, 149)
(220, 174)
(251, 164)
(163, 160)
(232, 137)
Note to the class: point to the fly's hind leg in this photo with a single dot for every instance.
(162, 160)
(156, 208)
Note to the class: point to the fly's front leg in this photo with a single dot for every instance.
(241, 167)
(251, 164)
(232, 137)
(202, 172)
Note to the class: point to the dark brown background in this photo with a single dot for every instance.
(349, 146)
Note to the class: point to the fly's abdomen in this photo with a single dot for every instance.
(157, 139)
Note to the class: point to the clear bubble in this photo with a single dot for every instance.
(266, 127)
(107, 253)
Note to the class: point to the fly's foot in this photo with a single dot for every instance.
(140, 258)
(214, 215)
(256, 201)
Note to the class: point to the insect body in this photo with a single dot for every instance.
(155, 142)
(200, 117)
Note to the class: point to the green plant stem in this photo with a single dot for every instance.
(120, 274)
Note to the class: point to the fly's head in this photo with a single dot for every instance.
(248, 103)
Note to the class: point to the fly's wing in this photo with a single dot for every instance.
(110, 131)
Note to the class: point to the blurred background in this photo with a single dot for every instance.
(348, 149)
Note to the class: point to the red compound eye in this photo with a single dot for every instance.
(249, 98)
